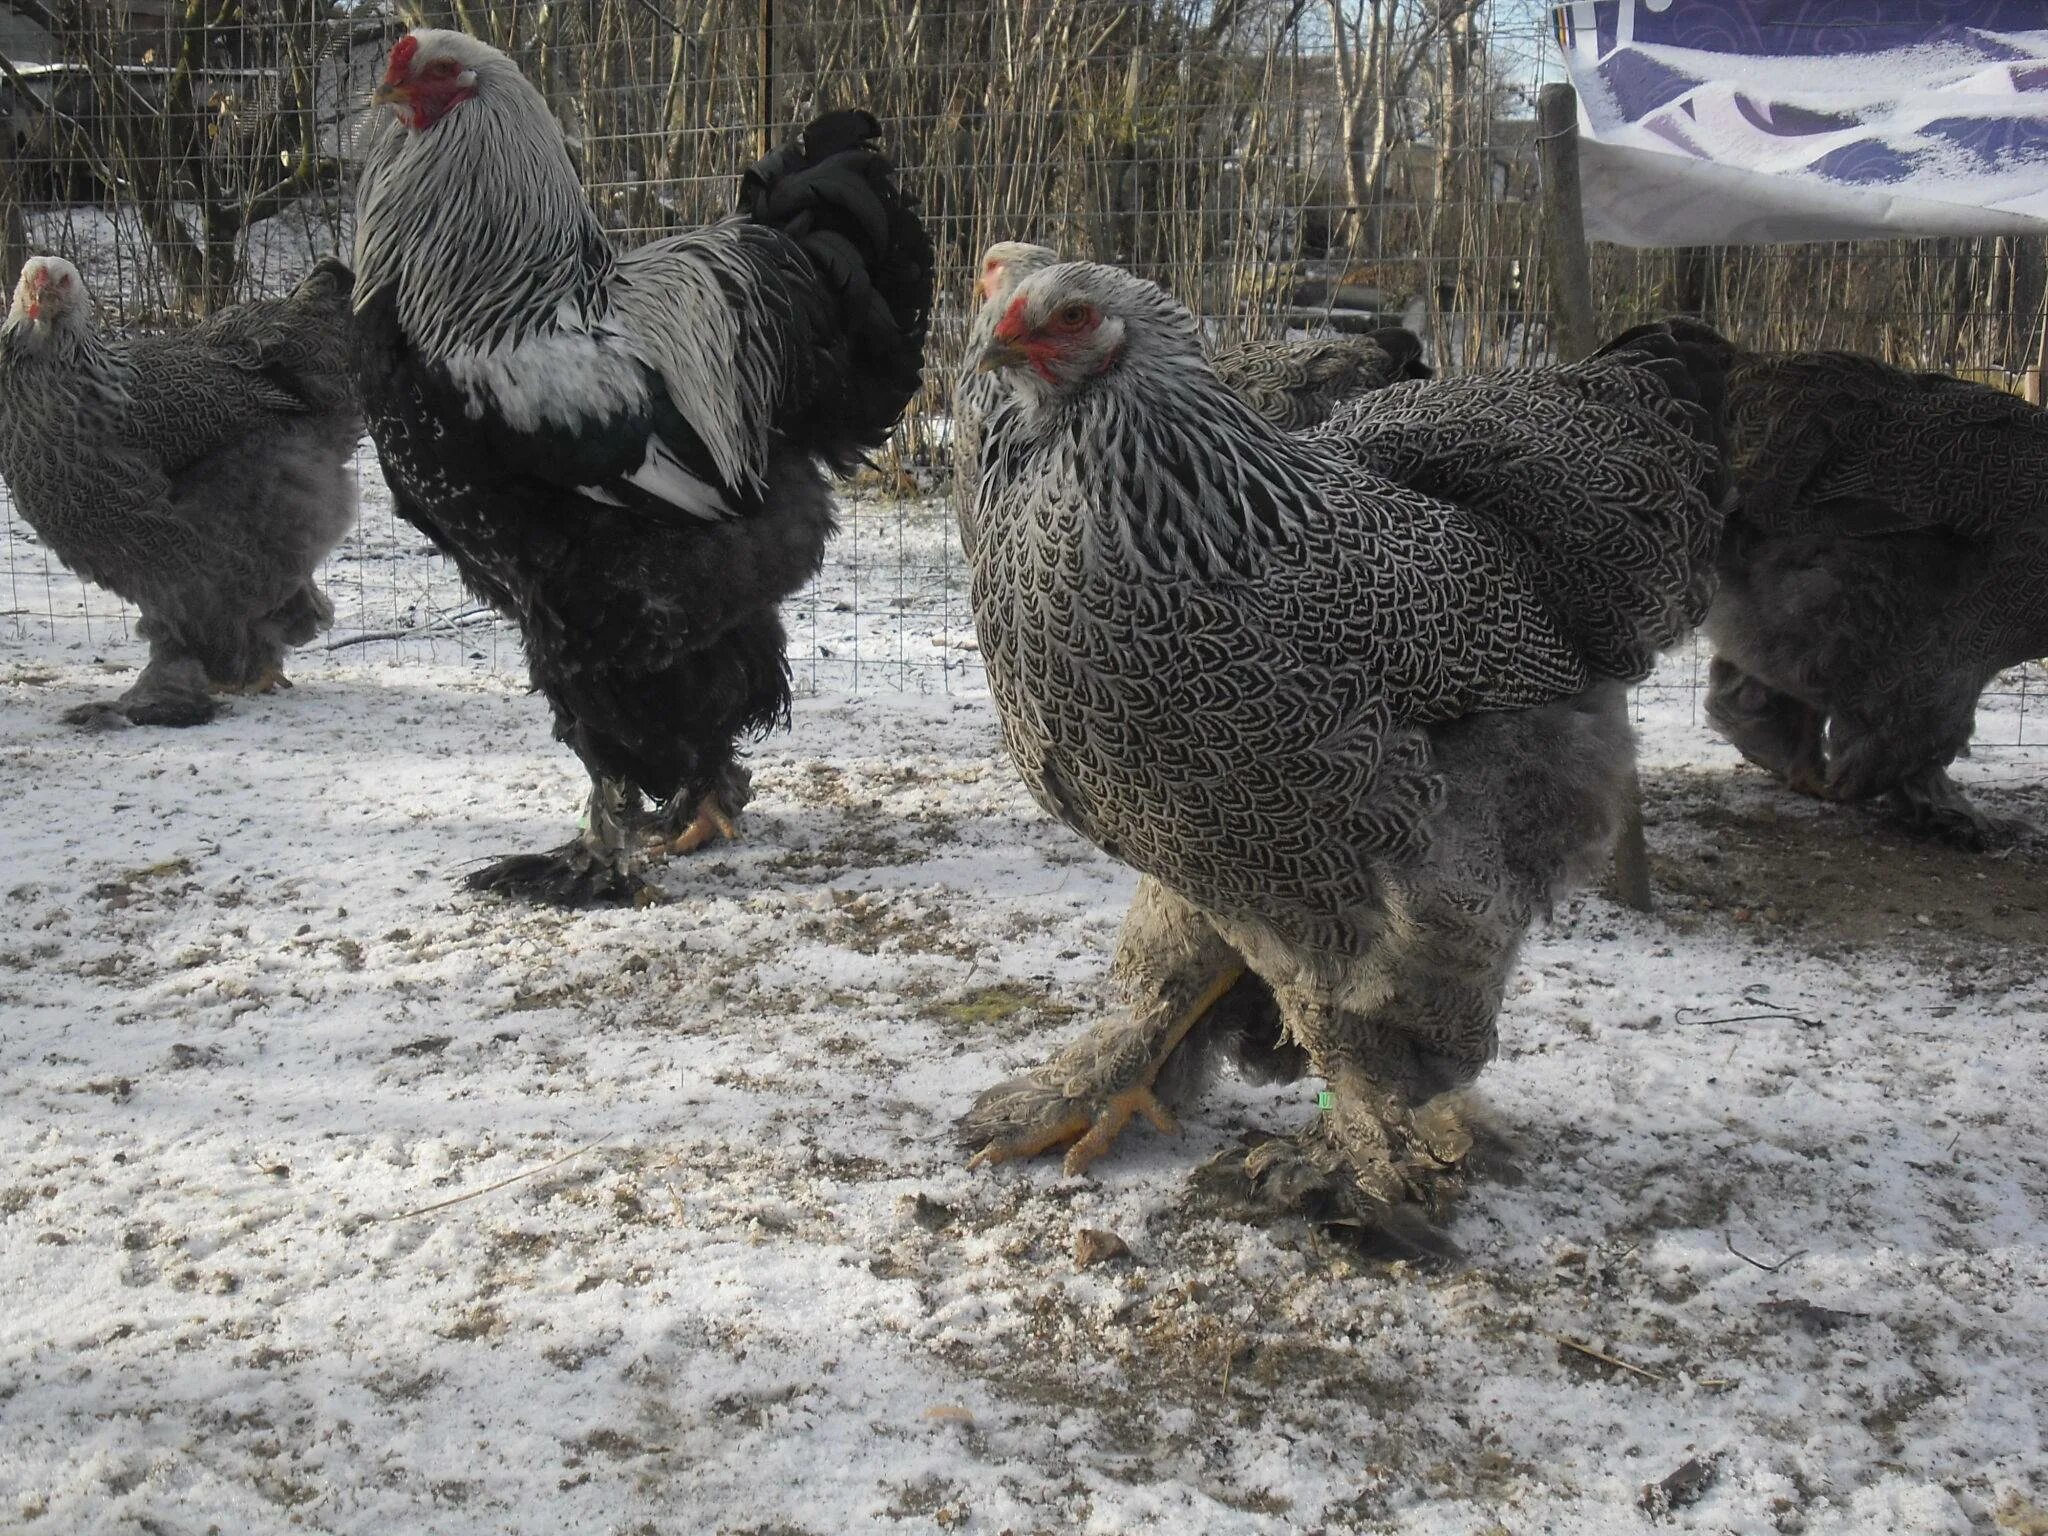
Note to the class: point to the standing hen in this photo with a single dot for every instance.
(1350, 700)
(202, 475)
(1886, 558)
(625, 451)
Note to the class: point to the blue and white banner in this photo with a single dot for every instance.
(1732, 122)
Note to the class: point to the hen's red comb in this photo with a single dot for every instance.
(401, 58)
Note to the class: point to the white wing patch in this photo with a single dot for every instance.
(559, 379)
(661, 474)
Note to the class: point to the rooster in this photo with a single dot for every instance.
(625, 451)
(1352, 701)
(1887, 557)
(202, 475)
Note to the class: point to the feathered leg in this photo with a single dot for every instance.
(598, 869)
(1171, 970)
(1931, 802)
(171, 690)
(1394, 1036)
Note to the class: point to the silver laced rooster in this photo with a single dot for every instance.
(1350, 700)
(1886, 558)
(625, 451)
(202, 475)
(1293, 384)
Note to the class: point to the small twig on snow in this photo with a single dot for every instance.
(1769, 1269)
(449, 622)
(442, 1205)
(1678, 1016)
(1606, 1359)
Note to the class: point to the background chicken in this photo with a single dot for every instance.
(1886, 558)
(1293, 384)
(1351, 700)
(624, 451)
(201, 475)
(1300, 384)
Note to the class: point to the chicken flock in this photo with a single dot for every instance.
(1332, 653)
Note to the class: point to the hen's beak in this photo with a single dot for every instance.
(1000, 354)
(391, 93)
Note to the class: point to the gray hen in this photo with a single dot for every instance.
(1299, 384)
(1351, 700)
(1886, 558)
(1293, 384)
(202, 475)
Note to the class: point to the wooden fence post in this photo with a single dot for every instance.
(1575, 331)
(13, 227)
(1564, 223)
(767, 76)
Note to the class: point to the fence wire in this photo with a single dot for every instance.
(1285, 166)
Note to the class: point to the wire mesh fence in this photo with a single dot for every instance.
(1282, 165)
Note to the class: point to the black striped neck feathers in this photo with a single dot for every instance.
(1138, 440)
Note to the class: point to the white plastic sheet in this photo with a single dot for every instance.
(1731, 122)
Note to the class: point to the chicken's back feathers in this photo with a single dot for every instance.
(1606, 479)
(1840, 442)
(192, 392)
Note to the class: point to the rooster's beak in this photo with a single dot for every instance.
(1000, 354)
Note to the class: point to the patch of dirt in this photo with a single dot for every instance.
(1743, 848)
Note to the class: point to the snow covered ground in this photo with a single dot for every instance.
(333, 1199)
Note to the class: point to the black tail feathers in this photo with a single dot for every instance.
(834, 194)
(1404, 350)
(1693, 359)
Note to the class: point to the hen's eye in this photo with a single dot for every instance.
(445, 70)
(1071, 317)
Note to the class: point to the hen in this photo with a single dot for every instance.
(625, 451)
(1293, 384)
(201, 475)
(1886, 558)
(1350, 700)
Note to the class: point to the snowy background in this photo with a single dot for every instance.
(335, 1200)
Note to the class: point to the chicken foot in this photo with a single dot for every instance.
(171, 690)
(1371, 1159)
(714, 817)
(598, 869)
(1930, 802)
(1173, 969)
